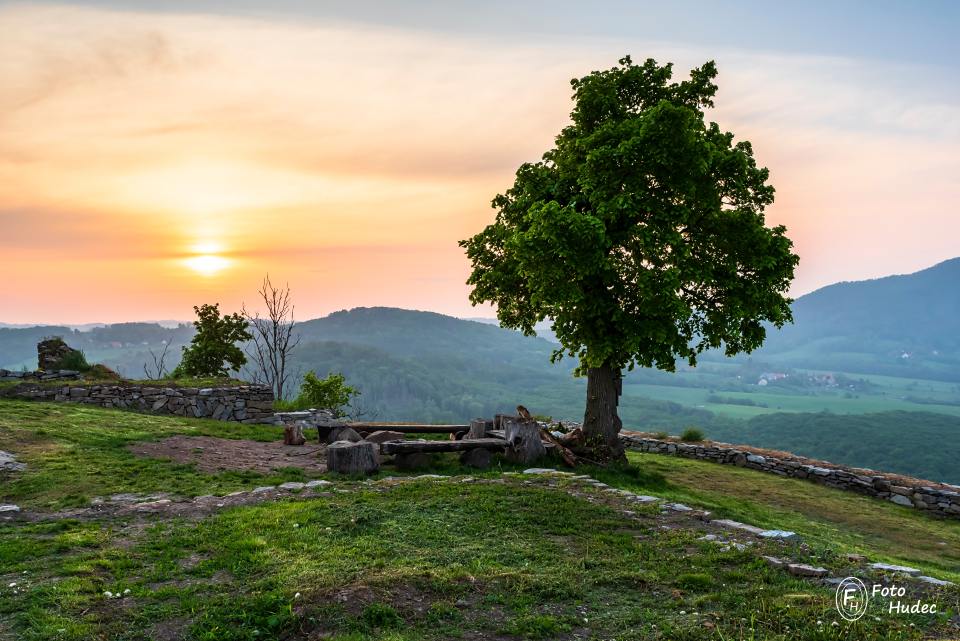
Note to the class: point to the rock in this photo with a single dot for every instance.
(317, 483)
(541, 470)
(932, 581)
(900, 499)
(774, 561)
(51, 352)
(643, 498)
(343, 434)
(9, 509)
(383, 437)
(292, 485)
(737, 525)
(855, 558)
(9, 463)
(352, 457)
(885, 567)
(802, 569)
(678, 507)
(262, 489)
(782, 535)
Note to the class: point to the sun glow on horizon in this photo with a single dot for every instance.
(207, 264)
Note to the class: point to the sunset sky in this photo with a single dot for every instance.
(154, 159)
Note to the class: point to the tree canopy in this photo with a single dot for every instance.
(641, 234)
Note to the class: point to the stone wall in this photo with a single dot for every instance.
(243, 403)
(937, 498)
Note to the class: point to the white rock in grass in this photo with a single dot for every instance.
(9, 509)
(885, 567)
(932, 581)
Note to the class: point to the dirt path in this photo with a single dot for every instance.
(212, 454)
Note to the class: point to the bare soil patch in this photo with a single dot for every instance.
(211, 454)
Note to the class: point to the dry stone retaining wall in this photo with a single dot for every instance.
(242, 403)
(936, 498)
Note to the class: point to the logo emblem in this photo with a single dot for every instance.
(852, 598)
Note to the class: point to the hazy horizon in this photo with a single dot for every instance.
(155, 159)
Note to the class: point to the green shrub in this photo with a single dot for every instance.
(75, 360)
(661, 435)
(330, 393)
(691, 435)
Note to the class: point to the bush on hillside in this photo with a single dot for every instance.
(331, 393)
(213, 350)
(691, 435)
(74, 360)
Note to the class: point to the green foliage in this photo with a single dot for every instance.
(213, 350)
(538, 626)
(75, 360)
(642, 233)
(691, 435)
(330, 393)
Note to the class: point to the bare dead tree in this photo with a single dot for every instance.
(360, 410)
(273, 337)
(159, 368)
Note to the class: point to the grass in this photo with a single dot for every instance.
(823, 516)
(498, 558)
(420, 560)
(76, 452)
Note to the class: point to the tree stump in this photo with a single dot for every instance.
(478, 458)
(293, 434)
(524, 441)
(478, 428)
(347, 457)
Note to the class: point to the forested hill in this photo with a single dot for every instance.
(899, 325)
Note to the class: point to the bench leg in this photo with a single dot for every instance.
(413, 461)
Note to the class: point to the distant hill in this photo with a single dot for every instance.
(905, 325)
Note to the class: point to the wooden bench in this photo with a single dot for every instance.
(416, 454)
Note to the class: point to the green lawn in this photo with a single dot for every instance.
(502, 557)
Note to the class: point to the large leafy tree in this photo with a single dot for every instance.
(641, 234)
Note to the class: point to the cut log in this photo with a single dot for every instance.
(413, 461)
(293, 435)
(478, 458)
(409, 447)
(409, 428)
(347, 457)
(523, 439)
(478, 428)
(568, 456)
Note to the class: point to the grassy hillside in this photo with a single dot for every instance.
(496, 557)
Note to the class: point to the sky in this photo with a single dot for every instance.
(160, 155)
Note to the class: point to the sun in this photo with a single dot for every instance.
(207, 264)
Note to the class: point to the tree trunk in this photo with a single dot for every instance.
(523, 438)
(601, 424)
